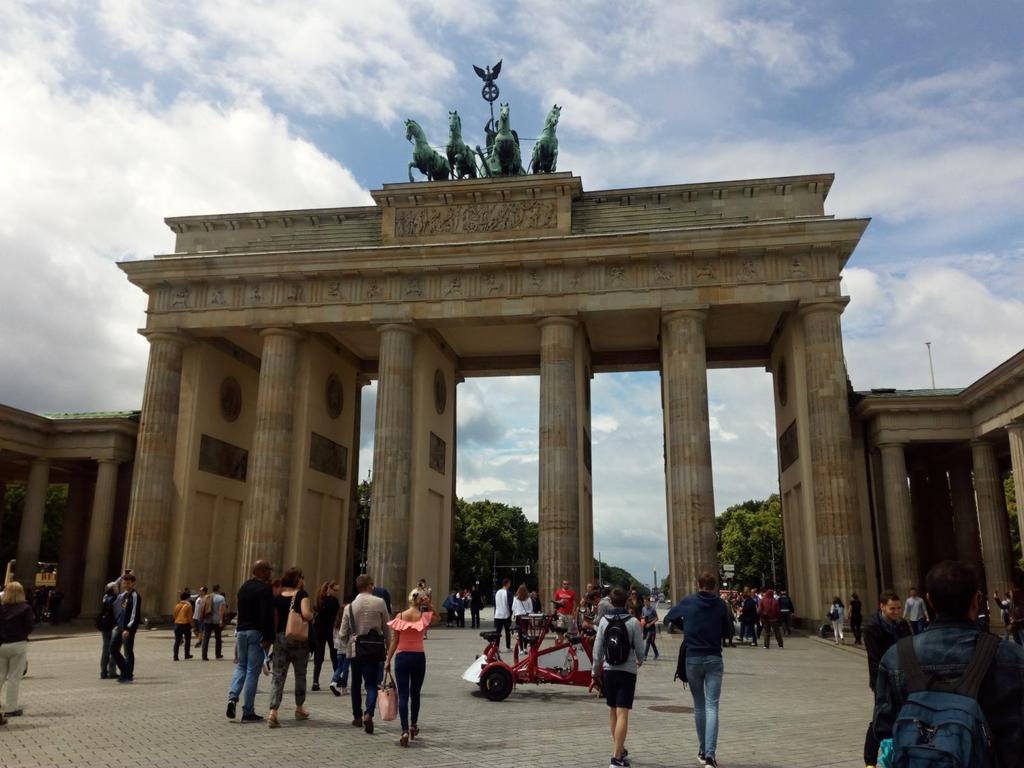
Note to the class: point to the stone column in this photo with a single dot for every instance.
(152, 498)
(1016, 434)
(899, 515)
(965, 516)
(269, 471)
(31, 532)
(691, 499)
(993, 519)
(837, 518)
(97, 548)
(388, 546)
(559, 490)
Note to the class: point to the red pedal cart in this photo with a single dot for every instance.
(566, 662)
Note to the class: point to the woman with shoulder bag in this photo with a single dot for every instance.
(292, 615)
(409, 627)
(16, 622)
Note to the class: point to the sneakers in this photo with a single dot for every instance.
(615, 762)
(710, 762)
(253, 718)
(316, 686)
(700, 759)
(231, 709)
(334, 689)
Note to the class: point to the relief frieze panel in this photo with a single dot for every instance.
(663, 271)
(482, 217)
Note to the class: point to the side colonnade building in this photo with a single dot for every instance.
(264, 327)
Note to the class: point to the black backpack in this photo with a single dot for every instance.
(617, 643)
(105, 620)
(370, 646)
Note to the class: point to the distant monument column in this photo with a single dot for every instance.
(152, 499)
(965, 515)
(30, 533)
(269, 471)
(559, 507)
(899, 515)
(691, 499)
(388, 546)
(97, 548)
(993, 519)
(837, 518)
(1016, 433)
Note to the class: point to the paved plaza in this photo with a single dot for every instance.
(806, 705)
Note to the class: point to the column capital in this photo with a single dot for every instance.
(163, 334)
(106, 460)
(981, 442)
(828, 304)
(1015, 427)
(892, 444)
(41, 461)
(290, 333)
(558, 320)
(696, 312)
(400, 327)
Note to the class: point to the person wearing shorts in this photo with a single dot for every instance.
(618, 680)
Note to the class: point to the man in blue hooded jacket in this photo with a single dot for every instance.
(705, 620)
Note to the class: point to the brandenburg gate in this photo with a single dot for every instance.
(263, 328)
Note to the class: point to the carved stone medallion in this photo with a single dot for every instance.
(230, 399)
(335, 396)
(440, 391)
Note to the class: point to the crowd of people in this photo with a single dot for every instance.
(938, 643)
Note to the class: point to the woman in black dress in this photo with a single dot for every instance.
(326, 611)
(856, 617)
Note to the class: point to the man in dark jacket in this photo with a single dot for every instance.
(254, 633)
(704, 618)
(476, 603)
(128, 622)
(945, 649)
(880, 633)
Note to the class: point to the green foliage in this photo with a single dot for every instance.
(489, 532)
(746, 534)
(1011, 507)
(53, 522)
(614, 576)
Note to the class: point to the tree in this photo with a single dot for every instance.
(489, 532)
(619, 577)
(53, 522)
(747, 534)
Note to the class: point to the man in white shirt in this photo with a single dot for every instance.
(502, 613)
(914, 612)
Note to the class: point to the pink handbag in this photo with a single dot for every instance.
(387, 698)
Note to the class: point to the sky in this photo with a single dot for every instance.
(118, 113)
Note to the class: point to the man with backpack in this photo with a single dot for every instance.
(769, 611)
(787, 609)
(950, 681)
(618, 653)
(705, 618)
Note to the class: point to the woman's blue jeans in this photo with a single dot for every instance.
(341, 671)
(705, 677)
(410, 669)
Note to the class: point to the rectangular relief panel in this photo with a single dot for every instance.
(327, 456)
(224, 459)
(437, 453)
(789, 450)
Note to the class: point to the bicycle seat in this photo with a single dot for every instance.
(490, 637)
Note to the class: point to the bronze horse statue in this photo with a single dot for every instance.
(460, 157)
(545, 151)
(425, 159)
(503, 158)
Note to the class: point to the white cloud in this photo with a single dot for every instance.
(88, 177)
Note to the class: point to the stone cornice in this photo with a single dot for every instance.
(784, 236)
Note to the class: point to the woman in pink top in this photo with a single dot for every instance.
(408, 629)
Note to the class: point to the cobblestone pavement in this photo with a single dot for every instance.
(807, 705)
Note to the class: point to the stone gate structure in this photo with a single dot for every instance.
(264, 326)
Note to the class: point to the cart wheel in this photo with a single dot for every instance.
(496, 683)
